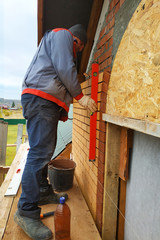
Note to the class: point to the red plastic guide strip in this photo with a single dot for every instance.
(93, 118)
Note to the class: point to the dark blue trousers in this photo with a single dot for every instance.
(42, 120)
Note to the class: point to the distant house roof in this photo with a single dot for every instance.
(64, 134)
(4, 106)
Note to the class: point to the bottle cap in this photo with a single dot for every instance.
(62, 200)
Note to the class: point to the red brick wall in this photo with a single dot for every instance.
(91, 175)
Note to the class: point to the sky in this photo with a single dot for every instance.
(18, 43)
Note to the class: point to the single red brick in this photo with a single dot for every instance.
(101, 166)
(100, 177)
(102, 136)
(111, 23)
(101, 146)
(99, 196)
(101, 157)
(105, 55)
(110, 42)
(103, 107)
(111, 6)
(105, 64)
(117, 7)
(121, 2)
(99, 115)
(103, 32)
(109, 16)
(100, 188)
(105, 38)
(99, 52)
(105, 87)
(101, 125)
(103, 96)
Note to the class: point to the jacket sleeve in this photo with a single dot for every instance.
(63, 62)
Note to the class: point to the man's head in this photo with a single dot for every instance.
(80, 36)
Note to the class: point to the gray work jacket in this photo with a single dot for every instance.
(52, 73)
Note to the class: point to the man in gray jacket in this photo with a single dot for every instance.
(49, 87)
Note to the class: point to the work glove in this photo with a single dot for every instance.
(88, 103)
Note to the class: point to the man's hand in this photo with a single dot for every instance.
(88, 103)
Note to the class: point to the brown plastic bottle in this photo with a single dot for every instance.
(62, 218)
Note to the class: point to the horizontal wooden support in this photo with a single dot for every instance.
(25, 135)
(4, 169)
(135, 124)
(11, 145)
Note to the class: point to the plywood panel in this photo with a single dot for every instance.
(134, 89)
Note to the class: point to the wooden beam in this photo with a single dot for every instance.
(40, 20)
(126, 145)
(143, 126)
(111, 182)
(121, 213)
(11, 145)
(4, 169)
(92, 26)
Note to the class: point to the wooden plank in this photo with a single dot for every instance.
(40, 20)
(126, 145)
(123, 165)
(16, 178)
(92, 26)
(111, 182)
(125, 148)
(82, 224)
(3, 143)
(135, 124)
(121, 212)
(6, 202)
(11, 145)
(19, 136)
(4, 169)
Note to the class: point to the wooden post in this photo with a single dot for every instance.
(111, 182)
(40, 20)
(19, 136)
(126, 146)
(122, 206)
(3, 144)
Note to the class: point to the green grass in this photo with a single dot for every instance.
(11, 139)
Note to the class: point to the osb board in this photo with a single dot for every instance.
(82, 224)
(134, 89)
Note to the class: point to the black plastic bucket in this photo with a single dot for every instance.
(61, 174)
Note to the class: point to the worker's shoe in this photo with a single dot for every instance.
(34, 228)
(48, 196)
(52, 198)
